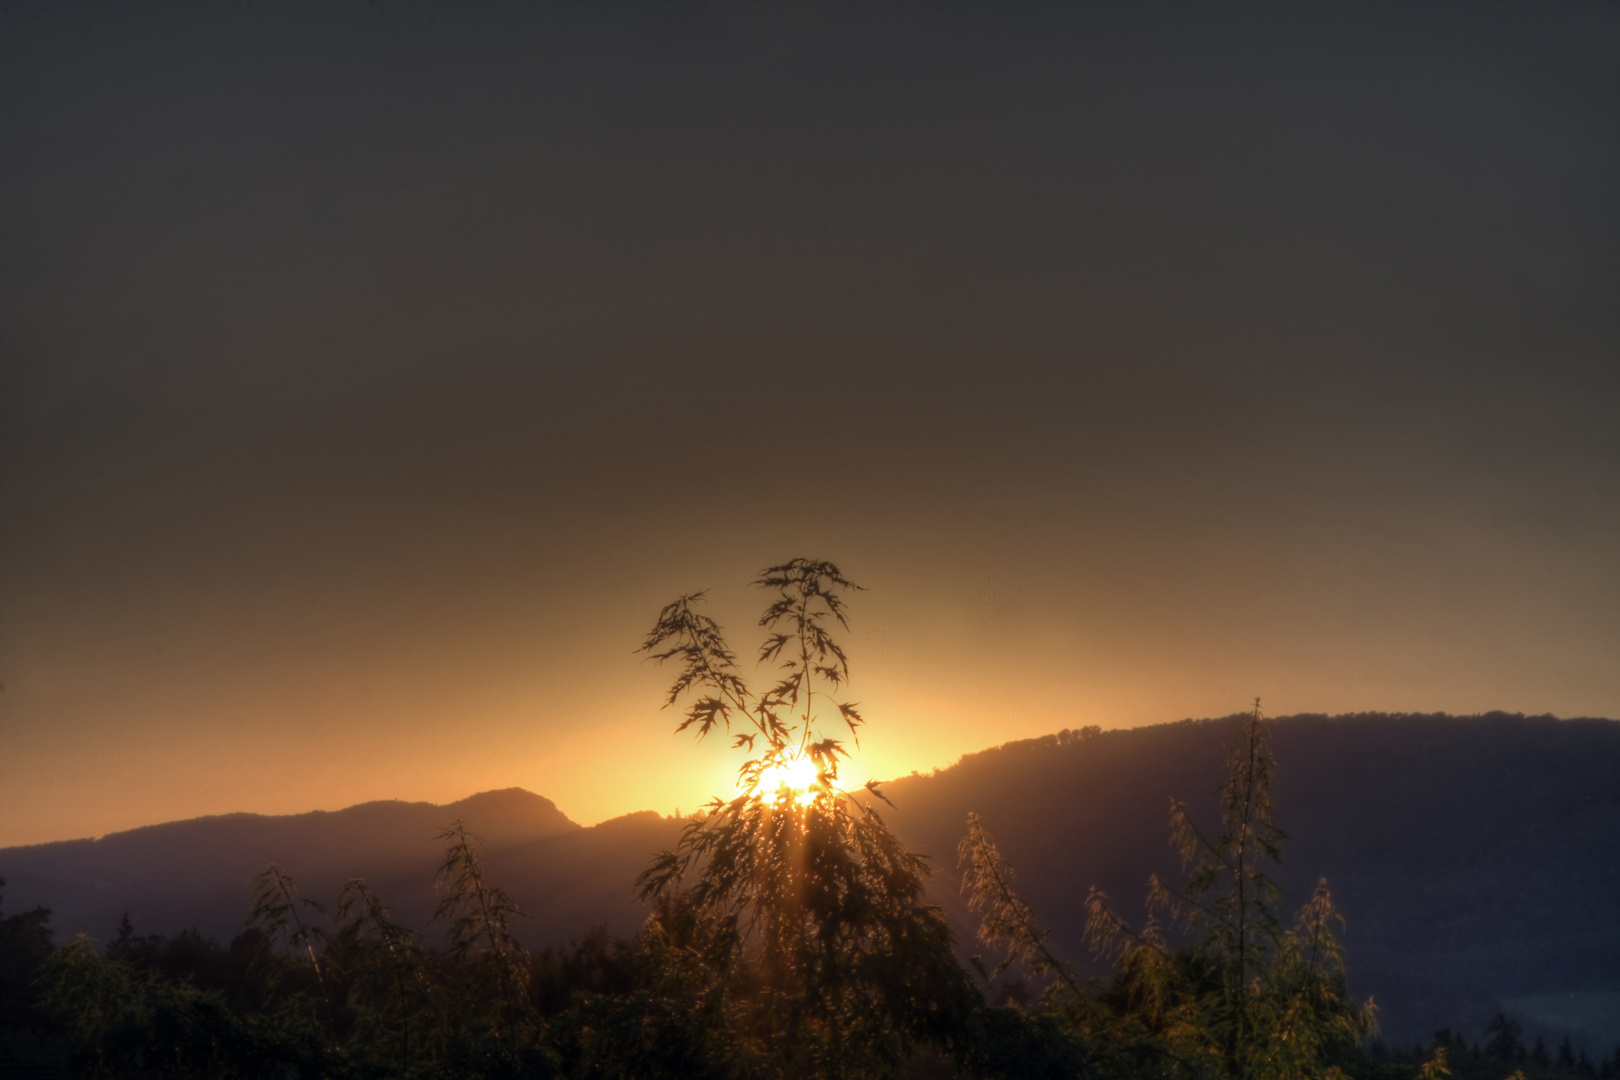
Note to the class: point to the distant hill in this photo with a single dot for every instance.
(1473, 857)
(195, 873)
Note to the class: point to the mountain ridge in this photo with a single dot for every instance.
(1465, 852)
(476, 800)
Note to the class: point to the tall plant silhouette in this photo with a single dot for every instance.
(1244, 997)
(387, 969)
(287, 918)
(1230, 898)
(805, 878)
(480, 917)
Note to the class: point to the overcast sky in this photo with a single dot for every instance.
(370, 375)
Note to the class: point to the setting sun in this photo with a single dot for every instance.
(798, 775)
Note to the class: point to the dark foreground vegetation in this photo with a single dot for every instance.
(788, 936)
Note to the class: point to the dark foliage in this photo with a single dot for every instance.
(30, 1032)
(1240, 995)
(789, 935)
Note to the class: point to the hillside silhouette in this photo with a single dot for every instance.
(1471, 856)
(194, 874)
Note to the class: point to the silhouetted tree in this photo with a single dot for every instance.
(799, 877)
(480, 919)
(27, 1029)
(287, 918)
(1504, 1038)
(390, 995)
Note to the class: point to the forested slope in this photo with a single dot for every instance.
(1473, 857)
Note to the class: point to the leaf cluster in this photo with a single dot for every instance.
(788, 719)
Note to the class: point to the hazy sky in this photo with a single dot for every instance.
(370, 375)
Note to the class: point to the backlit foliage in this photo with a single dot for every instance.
(1242, 995)
(824, 905)
(788, 720)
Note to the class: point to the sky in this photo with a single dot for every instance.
(370, 375)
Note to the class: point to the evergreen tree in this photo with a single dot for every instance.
(1504, 1040)
(1436, 1067)
(26, 1028)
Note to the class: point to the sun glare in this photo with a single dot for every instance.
(795, 778)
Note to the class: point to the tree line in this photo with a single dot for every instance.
(789, 934)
